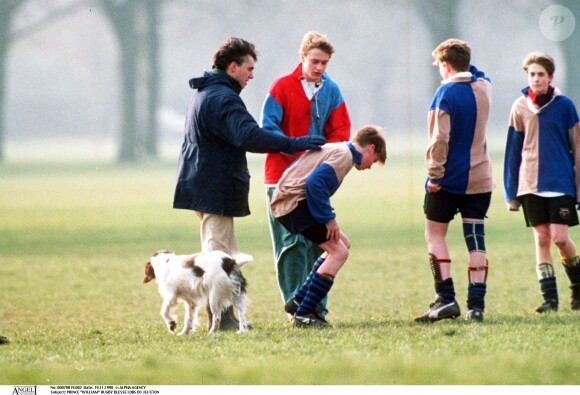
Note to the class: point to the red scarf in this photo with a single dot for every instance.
(543, 99)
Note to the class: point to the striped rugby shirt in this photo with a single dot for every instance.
(315, 176)
(543, 148)
(457, 156)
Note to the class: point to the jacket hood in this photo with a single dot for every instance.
(215, 77)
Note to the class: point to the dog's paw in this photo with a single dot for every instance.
(172, 326)
(244, 328)
(213, 329)
(186, 331)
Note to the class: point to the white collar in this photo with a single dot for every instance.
(311, 88)
(460, 75)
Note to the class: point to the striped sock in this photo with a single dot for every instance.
(299, 297)
(476, 296)
(445, 290)
(320, 285)
(549, 289)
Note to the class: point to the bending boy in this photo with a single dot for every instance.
(301, 202)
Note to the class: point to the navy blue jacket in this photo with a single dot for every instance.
(212, 174)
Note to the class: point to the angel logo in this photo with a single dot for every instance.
(24, 390)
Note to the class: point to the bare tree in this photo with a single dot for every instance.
(8, 9)
(152, 9)
(440, 17)
(123, 16)
(135, 25)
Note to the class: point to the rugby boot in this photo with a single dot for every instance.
(575, 297)
(474, 315)
(440, 310)
(292, 305)
(310, 321)
(548, 305)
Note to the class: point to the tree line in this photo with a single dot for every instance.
(136, 25)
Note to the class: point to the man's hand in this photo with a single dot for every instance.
(306, 143)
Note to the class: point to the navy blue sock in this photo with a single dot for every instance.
(319, 287)
(445, 290)
(572, 267)
(549, 289)
(299, 297)
(476, 296)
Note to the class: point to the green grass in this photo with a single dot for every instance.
(74, 239)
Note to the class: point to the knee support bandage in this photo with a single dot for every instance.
(474, 236)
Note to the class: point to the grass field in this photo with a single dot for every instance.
(74, 239)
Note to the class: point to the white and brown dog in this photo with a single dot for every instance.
(211, 279)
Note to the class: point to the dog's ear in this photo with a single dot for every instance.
(149, 273)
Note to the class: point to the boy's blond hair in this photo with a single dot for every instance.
(371, 134)
(455, 52)
(542, 59)
(313, 40)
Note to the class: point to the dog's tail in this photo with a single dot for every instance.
(241, 259)
(202, 266)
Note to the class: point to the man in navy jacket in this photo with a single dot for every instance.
(213, 178)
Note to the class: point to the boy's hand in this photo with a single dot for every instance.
(513, 205)
(332, 230)
(433, 187)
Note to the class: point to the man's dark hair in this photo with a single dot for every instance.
(233, 50)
